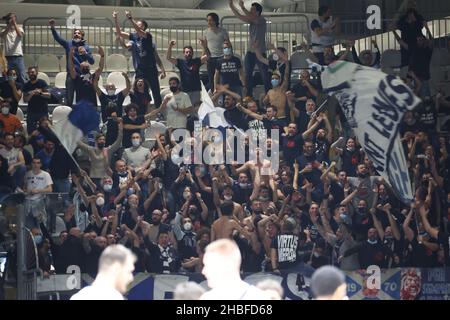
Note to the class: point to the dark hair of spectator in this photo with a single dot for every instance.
(258, 7)
(215, 17)
(227, 208)
(323, 10)
(188, 47)
(131, 106)
(144, 23)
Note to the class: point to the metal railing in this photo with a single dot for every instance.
(282, 29)
(38, 38)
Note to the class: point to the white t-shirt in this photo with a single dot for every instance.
(13, 43)
(96, 292)
(176, 119)
(37, 181)
(236, 291)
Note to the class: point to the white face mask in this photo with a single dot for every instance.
(100, 201)
(136, 142)
(111, 92)
(107, 187)
(275, 57)
(243, 185)
(187, 226)
(227, 197)
(5, 110)
(77, 40)
(186, 195)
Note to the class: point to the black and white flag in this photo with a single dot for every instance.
(374, 104)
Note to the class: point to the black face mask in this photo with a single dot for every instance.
(362, 210)
(363, 175)
(33, 77)
(156, 222)
(84, 71)
(101, 145)
(258, 212)
(174, 89)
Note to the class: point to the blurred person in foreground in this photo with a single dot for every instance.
(115, 272)
(328, 283)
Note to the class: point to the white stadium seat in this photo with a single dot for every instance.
(96, 57)
(29, 60)
(44, 76)
(48, 63)
(116, 62)
(117, 79)
(60, 80)
(59, 113)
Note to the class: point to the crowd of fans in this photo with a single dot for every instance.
(325, 205)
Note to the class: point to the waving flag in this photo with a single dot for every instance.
(79, 122)
(374, 104)
(210, 115)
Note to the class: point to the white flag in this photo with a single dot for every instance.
(374, 104)
(214, 116)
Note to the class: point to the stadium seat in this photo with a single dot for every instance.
(130, 64)
(440, 57)
(298, 60)
(29, 60)
(48, 63)
(117, 79)
(390, 59)
(59, 113)
(167, 65)
(116, 62)
(62, 63)
(96, 57)
(44, 76)
(60, 80)
(150, 133)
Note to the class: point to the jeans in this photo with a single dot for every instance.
(151, 75)
(211, 67)
(70, 90)
(249, 65)
(62, 186)
(17, 62)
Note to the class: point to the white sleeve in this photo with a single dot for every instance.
(48, 180)
(186, 101)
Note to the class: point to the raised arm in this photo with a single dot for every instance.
(246, 18)
(159, 63)
(101, 64)
(206, 53)
(56, 36)
(119, 32)
(127, 89)
(169, 57)
(392, 222)
(434, 232)
(141, 33)
(249, 112)
(377, 223)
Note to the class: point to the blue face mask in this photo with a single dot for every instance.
(227, 51)
(38, 239)
(275, 83)
(372, 241)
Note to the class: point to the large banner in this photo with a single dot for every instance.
(374, 104)
(394, 284)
